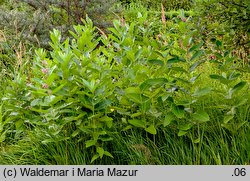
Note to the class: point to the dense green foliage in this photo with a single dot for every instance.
(228, 19)
(156, 4)
(31, 21)
(149, 90)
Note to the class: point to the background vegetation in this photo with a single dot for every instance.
(124, 82)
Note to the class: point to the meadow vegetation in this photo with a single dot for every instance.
(165, 83)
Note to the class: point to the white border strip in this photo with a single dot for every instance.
(125, 172)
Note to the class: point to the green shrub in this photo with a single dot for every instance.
(143, 77)
(156, 4)
(229, 20)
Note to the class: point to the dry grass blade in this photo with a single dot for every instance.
(102, 32)
(2, 36)
(145, 150)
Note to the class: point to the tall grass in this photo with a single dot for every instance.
(217, 146)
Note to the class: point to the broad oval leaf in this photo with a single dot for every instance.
(185, 127)
(153, 82)
(137, 98)
(168, 119)
(90, 143)
(178, 111)
(36, 102)
(107, 120)
(103, 104)
(200, 116)
(132, 90)
(202, 91)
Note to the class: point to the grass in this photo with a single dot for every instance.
(211, 142)
(217, 146)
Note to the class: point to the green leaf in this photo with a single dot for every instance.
(178, 111)
(218, 55)
(218, 43)
(48, 100)
(238, 86)
(103, 105)
(193, 79)
(182, 80)
(131, 90)
(55, 36)
(137, 123)
(100, 151)
(227, 118)
(55, 100)
(19, 123)
(96, 156)
(151, 129)
(35, 102)
(168, 119)
(196, 64)
(137, 98)
(184, 102)
(195, 47)
(218, 77)
(108, 154)
(174, 60)
(156, 62)
(3, 136)
(1, 115)
(181, 133)
(197, 54)
(234, 75)
(39, 110)
(90, 143)
(200, 116)
(127, 128)
(106, 138)
(197, 140)
(153, 82)
(136, 115)
(59, 88)
(75, 133)
(202, 91)
(51, 78)
(107, 120)
(185, 127)
(215, 76)
(90, 85)
(179, 69)
(241, 102)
